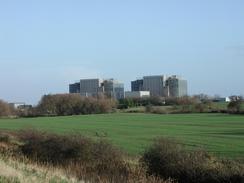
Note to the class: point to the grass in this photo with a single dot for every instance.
(220, 105)
(220, 134)
(223, 105)
(15, 171)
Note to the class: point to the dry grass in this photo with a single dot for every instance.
(166, 158)
(51, 159)
(19, 171)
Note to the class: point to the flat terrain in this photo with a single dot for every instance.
(218, 133)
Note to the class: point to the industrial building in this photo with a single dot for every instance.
(161, 86)
(90, 87)
(175, 87)
(137, 94)
(137, 85)
(94, 87)
(113, 88)
(74, 88)
(154, 84)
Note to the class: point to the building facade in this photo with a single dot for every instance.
(175, 87)
(90, 87)
(95, 87)
(155, 85)
(113, 89)
(137, 85)
(74, 88)
(137, 94)
(161, 86)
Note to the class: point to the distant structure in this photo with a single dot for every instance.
(236, 98)
(137, 94)
(113, 89)
(154, 84)
(221, 99)
(20, 105)
(175, 87)
(74, 88)
(95, 87)
(137, 85)
(90, 87)
(161, 86)
(16, 105)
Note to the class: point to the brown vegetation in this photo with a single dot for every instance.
(86, 159)
(166, 158)
(5, 109)
(73, 104)
(69, 104)
(235, 107)
(84, 154)
(98, 161)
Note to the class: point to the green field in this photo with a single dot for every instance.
(218, 133)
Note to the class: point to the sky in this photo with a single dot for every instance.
(47, 44)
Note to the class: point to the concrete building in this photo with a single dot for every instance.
(175, 86)
(161, 86)
(137, 85)
(221, 99)
(137, 94)
(94, 87)
(74, 88)
(113, 88)
(90, 87)
(16, 105)
(154, 84)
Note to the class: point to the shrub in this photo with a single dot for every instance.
(52, 148)
(5, 109)
(166, 158)
(28, 112)
(156, 110)
(4, 138)
(135, 102)
(200, 107)
(234, 107)
(84, 156)
(73, 104)
(181, 101)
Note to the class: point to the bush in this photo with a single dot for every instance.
(4, 138)
(5, 109)
(135, 102)
(73, 104)
(82, 155)
(181, 101)
(28, 112)
(83, 158)
(156, 110)
(165, 158)
(234, 107)
(51, 148)
(200, 107)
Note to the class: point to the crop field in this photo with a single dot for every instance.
(220, 134)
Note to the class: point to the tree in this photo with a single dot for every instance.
(74, 104)
(234, 106)
(5, 109)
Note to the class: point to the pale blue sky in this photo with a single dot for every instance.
(46, 44)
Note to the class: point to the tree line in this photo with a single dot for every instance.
(75, 104)
(62, 105)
